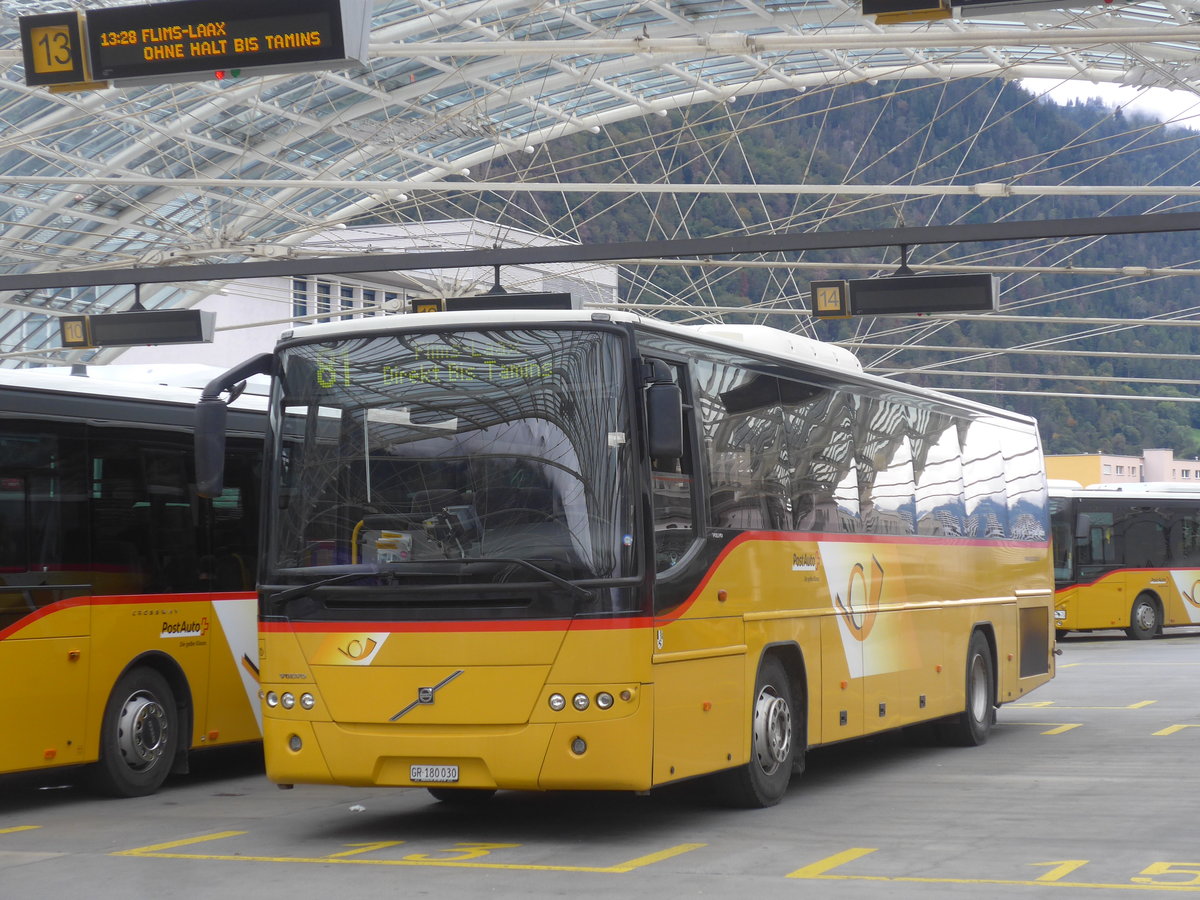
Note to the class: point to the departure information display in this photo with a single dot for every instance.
(172, 38)
(194, 38)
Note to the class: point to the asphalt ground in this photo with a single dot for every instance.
(1088, 787)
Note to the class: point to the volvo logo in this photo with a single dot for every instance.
(425, 695)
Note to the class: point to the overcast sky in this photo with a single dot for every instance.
(1179, 106)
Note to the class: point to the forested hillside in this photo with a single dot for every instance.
(962, 133)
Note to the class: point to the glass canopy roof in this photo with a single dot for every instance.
(251, 168)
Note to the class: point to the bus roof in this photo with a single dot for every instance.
(1141, 490)
(160, 383)
(761, 340)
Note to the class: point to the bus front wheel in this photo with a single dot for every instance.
(774, 748)
(138, 737)
(971, 727)
(1144, 620)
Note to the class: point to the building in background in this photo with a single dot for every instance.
(1107, 468)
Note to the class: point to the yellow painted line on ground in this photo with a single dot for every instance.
(651, 858)
(819, 871)
(1059, 727)
(365, 848)
(1053, 704)
(162, 851)
(15, 828)
(1172, 729)
(819, 868)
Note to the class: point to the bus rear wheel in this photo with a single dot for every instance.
(1144, 619)
(138, 737)
(775, 726)
(971, 727)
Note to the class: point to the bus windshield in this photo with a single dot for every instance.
(450, 469)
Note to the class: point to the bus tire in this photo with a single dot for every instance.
(1145, 621)
(774, 734)
(971, 727)
(461, 796)
(138, 737)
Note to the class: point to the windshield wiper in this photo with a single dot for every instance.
(557, 580)
(303, 590)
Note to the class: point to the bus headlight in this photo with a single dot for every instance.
(557, 702)
(272, 699)
(581, 702)
(604, 700)
(288, 700)
(308, 701)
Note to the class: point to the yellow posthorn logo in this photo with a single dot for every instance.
(358, 649)
(861, 605)
(1190, 596)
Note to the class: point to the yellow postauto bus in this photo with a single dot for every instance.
(554, 550)
(1126, 556)
(127, 612)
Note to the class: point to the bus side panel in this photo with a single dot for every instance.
(1102, 603)
(1186, 584)
(47, 660)
(700, 716)
(907, 650)
(1003, 620)
(232, 712)
(841, 691)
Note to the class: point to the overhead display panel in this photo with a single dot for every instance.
(166, 41)
(142, 328)
(897, 295)
(193, 39)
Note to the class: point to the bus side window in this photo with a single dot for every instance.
(819, 423)
(745, 450)
(885, 467)
(14, 554)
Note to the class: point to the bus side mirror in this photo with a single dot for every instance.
(210, 422)
(664, 420)
(210, 447)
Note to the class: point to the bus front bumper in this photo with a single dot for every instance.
(613, 754)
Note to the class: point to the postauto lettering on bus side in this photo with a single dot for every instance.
(185, 628)
(804, 562)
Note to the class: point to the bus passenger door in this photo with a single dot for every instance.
(699, 655)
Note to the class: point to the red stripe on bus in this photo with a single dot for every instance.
(113, 600)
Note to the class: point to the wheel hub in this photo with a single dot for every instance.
(142, 731)
(772, 730)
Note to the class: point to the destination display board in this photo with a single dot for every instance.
(904, 295)
(130, 329)
(191, 39)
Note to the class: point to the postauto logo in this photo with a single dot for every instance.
(181, 628)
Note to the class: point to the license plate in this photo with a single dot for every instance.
(1060, 614)
(440, 774)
